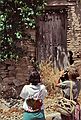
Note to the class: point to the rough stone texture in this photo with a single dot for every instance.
(13, 74)
(53, 116)
(74, 31)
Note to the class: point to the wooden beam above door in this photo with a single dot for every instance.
(54, 3)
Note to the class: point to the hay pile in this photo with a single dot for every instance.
(50, 77)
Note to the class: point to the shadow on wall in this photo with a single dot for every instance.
(70, 57)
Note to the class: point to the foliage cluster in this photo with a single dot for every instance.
(15, 17)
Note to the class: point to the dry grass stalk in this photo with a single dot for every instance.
(49, 76)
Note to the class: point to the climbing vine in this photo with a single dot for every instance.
(15, 17)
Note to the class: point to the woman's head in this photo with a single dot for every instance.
(34, 77)
(64, 75)
(73, 73)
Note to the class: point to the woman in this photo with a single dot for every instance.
(33, 95)
(66, 86)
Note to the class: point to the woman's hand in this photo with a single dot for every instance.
(57, 85)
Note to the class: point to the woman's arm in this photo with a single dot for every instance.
(63, 84)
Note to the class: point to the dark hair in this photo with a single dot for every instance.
(34, 77)
(73, 73)
(65, 76)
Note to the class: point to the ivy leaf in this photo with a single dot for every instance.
(16, 16)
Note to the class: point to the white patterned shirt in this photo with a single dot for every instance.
(33, 91)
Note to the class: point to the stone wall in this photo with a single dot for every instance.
(74, 30)
(14, 74)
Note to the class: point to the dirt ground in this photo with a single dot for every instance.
(13, 110)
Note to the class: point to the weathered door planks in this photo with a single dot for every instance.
(52, 38)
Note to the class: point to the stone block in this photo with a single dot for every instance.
(53, 116)
(11, 68)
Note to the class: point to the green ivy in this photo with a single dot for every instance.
(15, 17)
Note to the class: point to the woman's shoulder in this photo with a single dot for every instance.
(42, 86)
(26, 86)
(68, 81)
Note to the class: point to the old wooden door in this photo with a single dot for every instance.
(52, 38)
